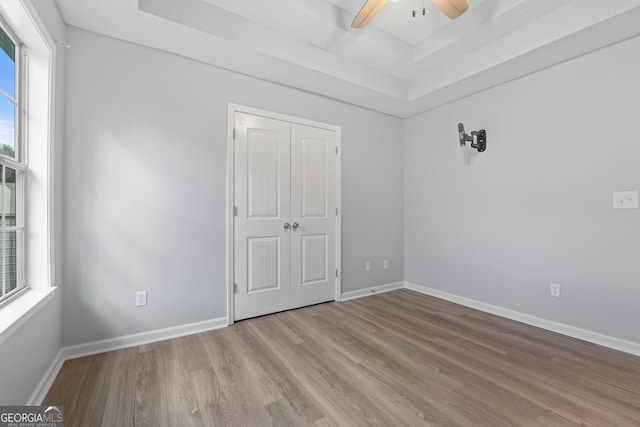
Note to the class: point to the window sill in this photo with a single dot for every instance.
(15, 313)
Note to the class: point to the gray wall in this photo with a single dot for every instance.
(29, 351)
(27, 354)
(145, 186)
(536, 207)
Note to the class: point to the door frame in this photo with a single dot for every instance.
(232, 109)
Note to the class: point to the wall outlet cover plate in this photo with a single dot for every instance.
(625, 200)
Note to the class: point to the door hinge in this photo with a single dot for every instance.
(235, 288)
(336, 272)
(336, 149)
(336, 211)
(235, 211)
(234, 133)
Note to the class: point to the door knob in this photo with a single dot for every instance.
(295, 225)
(286, 225)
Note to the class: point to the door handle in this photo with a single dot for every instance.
(295, 225)
(286, 225)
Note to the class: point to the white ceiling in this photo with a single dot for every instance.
(398, 65)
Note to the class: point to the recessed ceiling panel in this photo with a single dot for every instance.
(398, 64)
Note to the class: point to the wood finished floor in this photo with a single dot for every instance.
(393, 359)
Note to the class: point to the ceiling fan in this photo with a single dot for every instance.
(451, 8)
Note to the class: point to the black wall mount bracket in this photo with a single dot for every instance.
(477, 138)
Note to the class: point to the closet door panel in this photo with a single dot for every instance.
(313, 209)
(262, 197)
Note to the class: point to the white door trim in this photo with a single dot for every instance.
(232, 109)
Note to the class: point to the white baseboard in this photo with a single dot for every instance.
(126, 341)
(96, 347)
(371, 291)
(571, 331)
(47, 380)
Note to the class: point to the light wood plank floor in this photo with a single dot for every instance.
(398, 358)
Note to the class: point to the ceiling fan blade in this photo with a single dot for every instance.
(452, 8)
(368, 11)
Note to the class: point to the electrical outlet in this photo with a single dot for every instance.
(367, 266)
(555, 290)
(385, 264)
(141, 298)
(625, 200)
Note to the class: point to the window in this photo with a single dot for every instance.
(28, 59)
(12, 168)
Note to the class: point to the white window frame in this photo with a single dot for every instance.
(39, 55)
(19, 165)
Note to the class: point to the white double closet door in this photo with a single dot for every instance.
(284, 215)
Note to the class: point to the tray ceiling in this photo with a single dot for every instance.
(398, 65)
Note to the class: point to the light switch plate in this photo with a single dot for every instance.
(625, 200)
